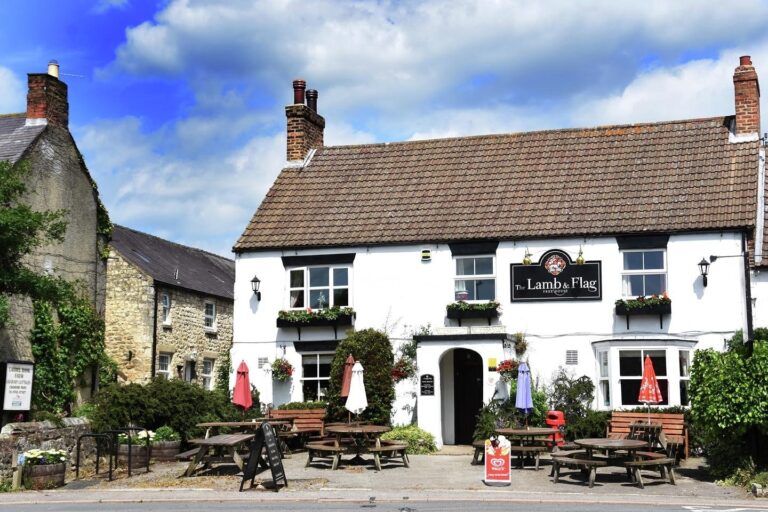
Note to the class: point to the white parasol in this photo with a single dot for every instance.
(357, 401)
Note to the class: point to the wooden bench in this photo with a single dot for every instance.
(304, 421)
(187, 455)
(389, 450)
(578, 460)
(522, 451)
(324, 449)
(673, 426)
(479, 456)
(664, 464)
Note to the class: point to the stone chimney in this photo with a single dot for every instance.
(747, 95)
(305, 125)
(47, 98)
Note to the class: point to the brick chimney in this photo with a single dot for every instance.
(47, 98)
(747, 95)
(305, 125)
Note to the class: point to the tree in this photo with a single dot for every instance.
(21, 231)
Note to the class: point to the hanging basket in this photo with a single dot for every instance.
(44, 476)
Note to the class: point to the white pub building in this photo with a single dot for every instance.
(555, 226)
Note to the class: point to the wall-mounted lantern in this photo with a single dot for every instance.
(704, 270)
(255, 284)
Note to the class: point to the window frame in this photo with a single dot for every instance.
(206, 316)
(474, 277)
(165, 311)
(306, 288)
(166, 374)
(207, 378)
(626, 273)
(318, 380)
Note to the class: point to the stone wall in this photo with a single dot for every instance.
(186, 337)
(16, 438)
(129, 319)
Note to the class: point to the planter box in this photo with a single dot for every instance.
(165, 451)
(44, 476)
(138, 455)
(656, 309)
(341, 320)
(459, 314)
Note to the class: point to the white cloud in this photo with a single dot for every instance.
(12, 92)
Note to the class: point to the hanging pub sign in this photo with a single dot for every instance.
(17, 385)
(556, 277)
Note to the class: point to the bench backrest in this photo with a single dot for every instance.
(303, 419)
(673, 425)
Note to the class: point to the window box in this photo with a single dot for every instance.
(655, 306)
(333, 317)
(461, 310)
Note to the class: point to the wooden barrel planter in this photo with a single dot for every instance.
(44, 476)
(165, 451)
(138, 455)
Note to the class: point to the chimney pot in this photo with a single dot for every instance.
(298, 91)
(53, 68)
(745, 60)
(312, 100)
(746, 90)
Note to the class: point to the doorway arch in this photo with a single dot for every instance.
(461, 385)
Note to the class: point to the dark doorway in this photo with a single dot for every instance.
(467, 392)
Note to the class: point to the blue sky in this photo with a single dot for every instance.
(177, 105)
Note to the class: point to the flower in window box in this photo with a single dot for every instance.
(644, 302)
(282, 370)
(507, 369)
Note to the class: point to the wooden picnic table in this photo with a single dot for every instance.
(366, 438)
(212, 427)
(229, 442)
(589, 461)
(527, 444)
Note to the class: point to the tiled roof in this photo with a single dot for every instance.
(198, 270)
(15, 136)
(661, 177)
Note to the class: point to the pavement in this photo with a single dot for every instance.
(447, 475)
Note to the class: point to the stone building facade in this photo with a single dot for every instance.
(169, 309)
(58, 179)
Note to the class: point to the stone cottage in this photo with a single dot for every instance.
(168, 308)
(58, 180)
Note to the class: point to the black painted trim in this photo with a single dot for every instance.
(462, 337)
(316, 346)
(642, 242)
(473, 248)
(318, 259)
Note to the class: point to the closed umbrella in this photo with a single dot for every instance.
(242, 393)
(523, 400)
(356, 401)
(649, 387)
(346, 377)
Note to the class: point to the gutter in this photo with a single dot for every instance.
(750, 335)
(154, 331)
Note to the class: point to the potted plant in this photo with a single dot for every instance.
(315, 317)
(44, 469)
(642, 305)
(282, 370)
(507, 369)
(404, 368)
(141, 442)
(521, 345)
(166, 444)
(461, 309)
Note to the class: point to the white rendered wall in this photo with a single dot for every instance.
(392, 289)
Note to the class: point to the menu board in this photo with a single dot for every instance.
(17, 387)
(265, 440)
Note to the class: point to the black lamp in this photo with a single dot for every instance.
(255, 284)
(704, 269)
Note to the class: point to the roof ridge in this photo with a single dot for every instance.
(14, 114)
(546, 131)
(176, 243)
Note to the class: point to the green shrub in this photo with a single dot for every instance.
(84, 410)
(502, 414)
(374, 351)
(592, 424)
(419, 441)
(304, 405)
(166, 433)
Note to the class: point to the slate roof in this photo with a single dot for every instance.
(198, 270)
(658, 177)
(15, 136)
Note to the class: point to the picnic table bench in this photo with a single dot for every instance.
(672, 425)
(303, 421)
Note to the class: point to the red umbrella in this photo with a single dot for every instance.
(346, 378)
(242, 393)
(649, 387)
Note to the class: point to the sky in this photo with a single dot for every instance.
(178, 105)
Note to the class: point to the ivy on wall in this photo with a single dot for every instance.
(67, 343)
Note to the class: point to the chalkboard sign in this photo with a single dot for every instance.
(427, 385)
(265, 440)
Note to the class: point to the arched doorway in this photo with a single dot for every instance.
(461, 373)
